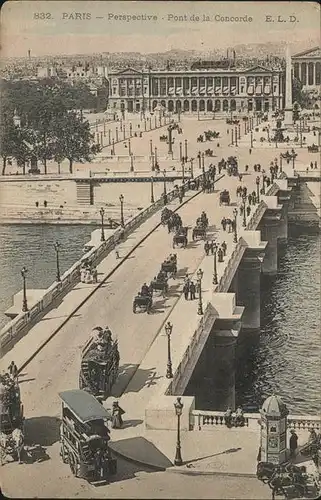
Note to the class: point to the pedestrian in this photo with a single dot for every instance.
(293, 443)
(192, 290)
(223, 222)
(220, 254)
(117, 412)
(311, 165)
(229, 222)
(248, 210)
(212, 246)
(224, 247)
(255, 169)
(117, 254)
(37, 204)
(95, 275)
(315, 164)
(180, 197)
(206, 247)
(250, 151)
(45, 203)
(259, 168)
(246, 168)
(250, 199)
(13, 370)
(186, 290)
(245, 191)
(240, 177)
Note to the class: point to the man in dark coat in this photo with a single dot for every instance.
(192, 290)
(186, 290)
(293, 443)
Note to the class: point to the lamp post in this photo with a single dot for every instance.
(155, 155)
(152, 200)
(168, 331)
(183, 172)
(203, 159)
(244, 213)
(24, 271)
(281, 162)
(180, 151)
(199, 160)
(192, 171)
(170, 140)
(131, 162)
(165, 192)
(185, 143)
(200, 303)
(57, 249)
(151, 146)
(178, 405)
(235, 227)
(121, 199)
(258, 188)
(215, 266)
(232, 137)
(263, 184)
(251, 139)
(102, 213)
(235, 136)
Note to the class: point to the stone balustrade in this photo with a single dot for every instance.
(20, 325)
(202, 420)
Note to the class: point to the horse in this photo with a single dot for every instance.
(12, 444)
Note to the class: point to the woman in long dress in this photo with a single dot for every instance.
(117, 412)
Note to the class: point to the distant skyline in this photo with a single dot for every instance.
(161, 32)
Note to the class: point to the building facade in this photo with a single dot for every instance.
(307, 68)
(248, 89)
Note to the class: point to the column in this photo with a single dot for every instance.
(314, 74)
(249, 290)
(300, 71)
(269, 233)
(283, 225)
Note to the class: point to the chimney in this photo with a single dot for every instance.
(29, 54)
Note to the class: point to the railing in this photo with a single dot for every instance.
(201, 419)
(231, 267)
(22, 323)
(257, 215)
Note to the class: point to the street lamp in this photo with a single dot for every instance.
(192, 172)
(57, 248)
(200, 303)
(121, 199)
(24, 271)
(152, 189)
(235, 136)
(165, 192)
(180, 151)
(183, 172)
(215, 267)
(168, 331)
(178, 405)
(185, 143)
(244, 213)
(251, 139)
(102, 213)
(235, 228)
(258, 189)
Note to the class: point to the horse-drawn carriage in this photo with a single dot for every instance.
(159, 285)
(211, 134)
(232, 166)
(180, 237)
(225, 197)
(169, 266)
(143, 302)
(286, 479)
(84, 437)
(163, 138)
(171, 219)
(99, 363)
(313, 149)
(209, 152)
(199, 231)
(11, 419)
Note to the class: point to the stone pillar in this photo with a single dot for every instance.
(248, 290)
(283, 225)
(218, 369)
(288, 110)
(270, 233)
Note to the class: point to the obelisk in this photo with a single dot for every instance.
(288, 110)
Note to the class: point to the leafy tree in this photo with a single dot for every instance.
(73, 140)
(9, 142)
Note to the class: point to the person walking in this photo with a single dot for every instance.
(192, 290)
(315, 164)
(223, 222)
(13, 370)
(293, 443)
(207, 248)
(224, 248)
(186, 289)
(248, 211)
(95, 275)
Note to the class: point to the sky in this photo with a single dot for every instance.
(52, 28)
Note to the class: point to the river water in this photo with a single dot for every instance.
(32, 246)
(284, 357)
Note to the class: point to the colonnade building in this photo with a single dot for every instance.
(307, 68)
(215, 89)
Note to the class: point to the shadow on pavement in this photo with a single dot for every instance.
(126, 373)
(43, 431)
(138, 449)
(225, 452)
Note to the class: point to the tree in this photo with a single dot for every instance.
(299, 95)
(9, 142)
(73, 140)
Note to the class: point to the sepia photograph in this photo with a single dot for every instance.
(160, 328)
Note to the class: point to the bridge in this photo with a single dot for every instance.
(53, 331)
